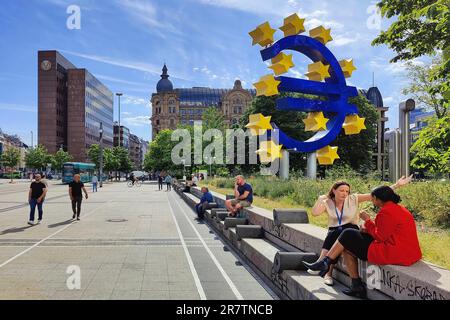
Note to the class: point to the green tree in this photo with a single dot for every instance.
(213, 118)
(59, 158)
(10, 158)
(158, 156)
(421, 28)
(37, 158)
(123, 159)
(421, 84)
(431, 151)
(356, 150)
(94, 154)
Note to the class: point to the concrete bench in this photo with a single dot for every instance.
(421, 281)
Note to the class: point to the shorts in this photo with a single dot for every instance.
(356, 242)
(243, 203)
(334, 233)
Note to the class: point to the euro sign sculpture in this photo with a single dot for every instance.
(326, 79)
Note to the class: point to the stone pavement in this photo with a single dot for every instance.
(131, 243)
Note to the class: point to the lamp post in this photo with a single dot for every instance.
(210, 164)
(119, 94)
(31, 139)
(100, 131)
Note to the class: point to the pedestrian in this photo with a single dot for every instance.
(75, 188)
(168, 181)
(160, 182)
(36, 196)
(94, 183)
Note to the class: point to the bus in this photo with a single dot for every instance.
(85, 170)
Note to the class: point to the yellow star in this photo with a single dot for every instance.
(269, 151)
(259, 124)
(354, 124)
(318, 71)
(347, 67)
(327, 155)
(281, 63)
(293, 25)
(263, 34)
(321, 34)
(315, 122)
(267, 86)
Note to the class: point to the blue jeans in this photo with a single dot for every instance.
(33, 203)
(94, 186)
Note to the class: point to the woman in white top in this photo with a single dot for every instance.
(343, 213)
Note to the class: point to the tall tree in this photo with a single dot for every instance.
(212, 118)
(10, 159)
(37, 158)
(159, 155)
(421, 29)
(59, 158)
(354, 150)
(94, 154)
(431, 151)
(422, 83)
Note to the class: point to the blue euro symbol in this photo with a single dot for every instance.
(336, 106)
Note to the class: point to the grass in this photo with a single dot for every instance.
(434, 242)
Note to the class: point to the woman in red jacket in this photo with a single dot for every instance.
(391, 239)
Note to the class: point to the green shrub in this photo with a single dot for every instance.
(427, 201)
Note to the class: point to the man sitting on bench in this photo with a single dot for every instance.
(243, 194)
(203, 205)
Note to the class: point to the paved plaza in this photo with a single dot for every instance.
(131, 243)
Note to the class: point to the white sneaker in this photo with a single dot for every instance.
(31, 223)
(312, 272)
(328, 281)
(39, 221)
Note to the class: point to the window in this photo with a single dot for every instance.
(172, 122)
(157, 122)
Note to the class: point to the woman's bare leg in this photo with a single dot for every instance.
(351, 263)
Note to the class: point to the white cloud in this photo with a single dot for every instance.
(138, 121)
(145, 14)
(135, 101)
(17, 107)
(135, 65)
(107, 78)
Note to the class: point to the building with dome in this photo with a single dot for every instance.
(171, 107)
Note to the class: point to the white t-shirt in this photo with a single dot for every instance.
(94, 179)
(351, 211)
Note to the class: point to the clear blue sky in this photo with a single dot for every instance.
(124, 43)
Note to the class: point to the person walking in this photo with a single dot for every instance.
(160, 182)
(75, 188)
(36, 196)
(168, 181)
(94, 183)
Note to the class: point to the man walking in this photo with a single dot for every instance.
(36, 196)
(160, 182)
(94, 183)
(168, 181)
(75, 188)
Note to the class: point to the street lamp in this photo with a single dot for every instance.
(119, 94)
(210, 164)
(100, 131)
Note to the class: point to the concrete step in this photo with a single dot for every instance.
(296, 285)
(422, 281)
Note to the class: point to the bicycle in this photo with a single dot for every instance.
(137, 183)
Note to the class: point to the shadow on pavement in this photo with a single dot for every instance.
(15, 230)
(55, 225)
